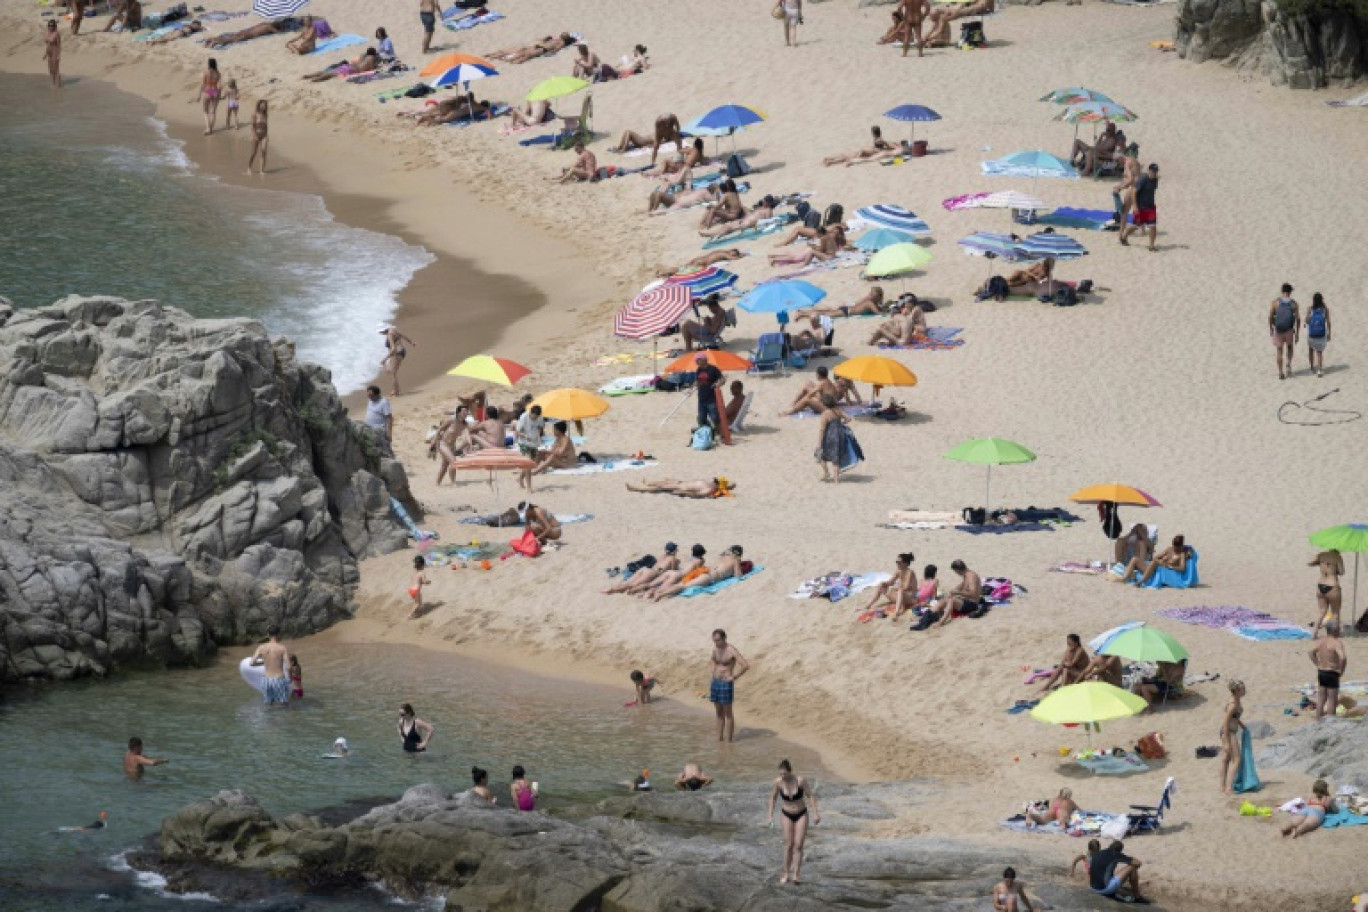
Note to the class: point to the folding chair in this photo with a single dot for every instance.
(577, 128)
(739, 423)
(1146, 819)
(768, 354)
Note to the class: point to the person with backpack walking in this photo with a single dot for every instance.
(1317, 334)
(1284, 324)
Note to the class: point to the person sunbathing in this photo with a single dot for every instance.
(665, 201)
(710, 258)
(634, 63)
(449, 110)
(941, 17)
(728, 566)
(764, 210)
(531, 114)
(366, 63)
(1029, 281)
(666, 131)
(1062, 807)
(189, 28)
(878, 145)
(668, 560)
(728, 209)
(692, 778)
(586, 64)
(810, 396)
(886, 155)
(904, 328)
(1174, 557)
(698, 490)
(548, 45)
(585, 167)
(306, 40)
(1072, 665)
(255, 31)
(872, 304)
(814, 337)
(688, 570)
(829, 242)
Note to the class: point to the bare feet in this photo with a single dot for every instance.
(784, 879)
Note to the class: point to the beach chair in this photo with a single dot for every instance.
(768, 355)
(1145, 819)
(715, 340)
(577, 128)
(1173, 579)
(739, 423)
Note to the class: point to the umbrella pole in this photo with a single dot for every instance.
(682, 399)
(988, 493)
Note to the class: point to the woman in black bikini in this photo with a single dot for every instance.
(1328, 592)
(395, 343)
(413, 731)
(795, 794)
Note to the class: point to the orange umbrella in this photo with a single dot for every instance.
(1119, 494)
(449, 61)
(722, 360)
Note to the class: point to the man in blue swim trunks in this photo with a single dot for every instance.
(274, 659)
(1110, 870)
(727, 666)
(428, 10)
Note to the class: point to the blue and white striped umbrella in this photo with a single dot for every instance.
(462, 73)
(705, 281)
(880, 238)
(895, 217)
(1051, 244)
(277, 9)
(985, 243)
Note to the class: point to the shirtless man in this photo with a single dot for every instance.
(1168, 677)
(190, 28)
(274, 659)
(967, 597)
(542, 523)
(703, 262)
(667, 560)
(915, 12)
(586, 64)
(562, 455)
(52, 53)
(428, 11)
(490, 434)
(902, 329)
(1106, 668)
(871, 304)
(764, 210)
(306, 40)
(810, 396)
(247, 34)
(585, 167)
(663, 200)
(697, 335)
(449, 110)
(128, 17)
(732, 409)
(1030, 280)
(692, 778)
(1084, 156)
(698, 490)
(728, 209)
(135, 762)
(878, 144)
(1330, 661)
(941, 19)
(1072, 665)
(830, 241)
(727, 666)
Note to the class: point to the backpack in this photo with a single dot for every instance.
(1065, 296)
(1283, 317)
(1315, 323)
(736, 166)
(702, 438)
(975, 516)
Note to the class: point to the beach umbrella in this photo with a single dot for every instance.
(652, 312)
(964, 201)
(695, 128)
(1074, 95)
(877, 370)
(887, 215)
(780, 297)
(449, 61)
(461, 73)
(897, 259)
(1037, 164)
(1051, 245)
(1145, 644)
(703, 281)
(1119, 494)
(730, 117)
(1096, 112)
(277, 9)
(571, 405)
(724, 361)
(556, 87)
(1011, 199)
(990, 451)
(490, 369)
(494, 460)
(1088, 704)
(879, 238)
(993, 246)
(1351, 538)
(912, 114)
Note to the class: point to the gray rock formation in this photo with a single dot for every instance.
(640, 853)
(1335, 750)
(167, 484)
(1306, 50)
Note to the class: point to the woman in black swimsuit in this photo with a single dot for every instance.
(395, 350)
(795, 794)
(1328, 593)
(413, 731)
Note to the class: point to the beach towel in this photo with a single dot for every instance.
(1248, 778)
(852, 410)
(1346, 687)
(1086, 219)
(936, 338)
(1344, 818)
(1021, 825)
(1021, 706)
(1091, 569)
(1165, 577)
(642, 383)
(991, 529)
(609, 465)
(837, 586)
(668, 149)
(1262, 634)
(720, 584)
(158, 33)
(843, 260)
(336, 43)
(470, 20)
(766, 226)
(1002, 168)
(218, 16)
(1113, 766)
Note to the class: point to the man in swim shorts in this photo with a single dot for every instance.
(274, 659)
(428, 10)
(967, 597)
(1331, 661)
(1110, 870)
(727, 666)
(1146, 213)
(692, 778)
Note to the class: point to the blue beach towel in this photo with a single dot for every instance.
(468, 21)
(336, 43)
(1003, 530)
(1174, 580)
(1114, 766)
(1086, 219)
(1343, 818)
(1248, 779)
(720, 585)
(768, 226)
(1266, 634)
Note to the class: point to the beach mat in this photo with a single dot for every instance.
(1003, 530)
(837, 586)
(1084, 219)
(720, 584)
(611, 465)
(1113, 766)
(470, 20)
(337, 43)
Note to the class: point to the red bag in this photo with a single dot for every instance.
(1151, 747)
(527, 546)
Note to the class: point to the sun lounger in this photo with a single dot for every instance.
(720, 584)
(1164, 577)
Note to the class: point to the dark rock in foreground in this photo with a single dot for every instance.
(641, 853)
(168, 484)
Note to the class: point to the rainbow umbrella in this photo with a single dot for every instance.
(490, 369)
(1096, 112)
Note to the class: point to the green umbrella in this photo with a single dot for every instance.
(556, 87)
(990, 451)
(1352, 538)
(1146, 644)
(897, 258)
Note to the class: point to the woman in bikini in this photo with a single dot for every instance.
(871, 304)
(1314, 814)
(260, 139)
(394, 358)
(1328, 593)
(366, 63)
(52, 53)
(687, 572)
(1061, 809)
(664, 201)
(901, 590)
(829, 241)
(209, 94)
(1232, 743)
(879, 146)
(795, 795)
(1174, 557)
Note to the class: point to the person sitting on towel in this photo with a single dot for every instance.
(729, 209)
(908, 321)
(940, 18)
(1029, 281)
(764, 210)
(1174, 557)
(810, 396)
(1073, 665)
(561, 455)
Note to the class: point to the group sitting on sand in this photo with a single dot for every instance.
(932, 605)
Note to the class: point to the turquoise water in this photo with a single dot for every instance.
(95, 198)
(61, 750)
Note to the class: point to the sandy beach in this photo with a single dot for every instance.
(1163, 379)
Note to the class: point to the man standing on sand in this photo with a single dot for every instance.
(134, 761)
(428, 11)
(727, 666)
(1284, 324)
(379, 415)
(1330, 661)
(914, 14)
(274, 659)
(706, 384)
(52, 53)
(1146, 214)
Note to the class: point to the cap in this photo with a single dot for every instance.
(671, 547)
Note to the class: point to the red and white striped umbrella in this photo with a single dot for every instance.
(494, 460)
(652, 312)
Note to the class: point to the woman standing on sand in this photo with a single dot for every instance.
(209, 95)
(1317, 333)
(259, 136)
(831, 437)
(795, 795)
(791, 12)
(1232, 737)
(52, 53)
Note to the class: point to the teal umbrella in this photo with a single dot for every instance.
(1352, 537)
(990, 451)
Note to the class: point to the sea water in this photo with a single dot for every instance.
(95, 198)
(61, 750)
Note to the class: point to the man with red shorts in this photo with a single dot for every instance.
(1146, 215)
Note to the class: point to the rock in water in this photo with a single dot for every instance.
(168, 484)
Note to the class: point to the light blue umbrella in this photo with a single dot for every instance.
(731, 116)
(780, 297)
(1039, 164)
(913, 114)
(880, 238)
(887, 215)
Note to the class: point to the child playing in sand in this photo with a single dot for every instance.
(296, 678)
(644, 685)
(230, 95)
(416, 586)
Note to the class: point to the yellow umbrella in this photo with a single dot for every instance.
(571, 405)
(556, 87)
(1119, 494)
(876, 370)
(1092, 701)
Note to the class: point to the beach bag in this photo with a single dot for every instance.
(778, 11)
(1065, 296)
(1283, 318)
(1151, 746)
(736, 166)
(419, 90)
(971, 35)
(527, 545)
(1315, 323)
(975, 516)
(702, 438)
(998, 287)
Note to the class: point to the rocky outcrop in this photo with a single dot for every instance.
(1334, 749)
(1305, 50)
(639, 853)
(168, 484)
